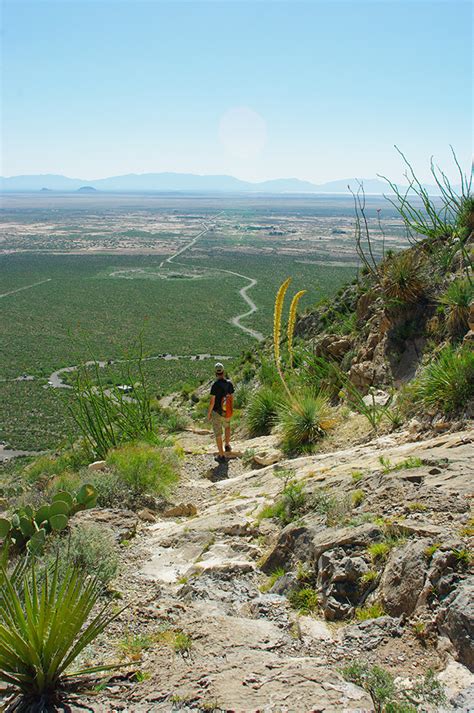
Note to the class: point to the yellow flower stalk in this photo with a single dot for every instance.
(292, 322)
(277, 319)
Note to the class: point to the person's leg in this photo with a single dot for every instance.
(217, 427)
(227, 436)
(220, 447)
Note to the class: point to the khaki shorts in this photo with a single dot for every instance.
(218, 423)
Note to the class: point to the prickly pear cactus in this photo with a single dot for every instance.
(30, 528)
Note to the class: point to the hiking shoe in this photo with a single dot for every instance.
(220, 459)
(228, 448)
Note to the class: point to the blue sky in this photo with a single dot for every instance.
(257, 89)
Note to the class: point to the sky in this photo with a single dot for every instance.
(258, 89)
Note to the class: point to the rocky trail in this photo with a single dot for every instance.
(217, 636)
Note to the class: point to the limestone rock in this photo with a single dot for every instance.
(369, 634)
(338, 581)
(147, 515)
(379, 398)
(456, 621)
(181, 510)
(307, 543)
(404, 577)
(267, 457)
(97, 465)
(123, 523)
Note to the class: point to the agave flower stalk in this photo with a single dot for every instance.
(292, 322)
(279, 300)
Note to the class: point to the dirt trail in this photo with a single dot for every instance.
(201, 575)
(26, 287)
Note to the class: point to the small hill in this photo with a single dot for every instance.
(87, 189)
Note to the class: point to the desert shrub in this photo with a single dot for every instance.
(304, 422)
(357, 497)
(262, 410)
(370, 611)
(268, 374)
(404, 279)
(335, 510)
(319, 374)
(44, 629)
(304, 600)
(291, 504)
(90, 547)
(242, 395)
(447, 382)
(170, 420)
(112, 490)
(144, 468)
(386, 697)
(457, 300)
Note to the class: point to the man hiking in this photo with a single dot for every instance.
(220, 411)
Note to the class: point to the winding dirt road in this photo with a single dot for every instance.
(236, 321)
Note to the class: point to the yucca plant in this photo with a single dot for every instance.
(404, 278)
(262, 411)
(43, 630)
(447, 382)
(457, 299)
(304, 422)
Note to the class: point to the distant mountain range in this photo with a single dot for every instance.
(185, 183)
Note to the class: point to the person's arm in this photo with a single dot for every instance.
(211, 406)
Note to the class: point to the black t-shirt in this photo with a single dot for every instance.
(220, 389)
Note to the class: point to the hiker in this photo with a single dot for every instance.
(220, 411)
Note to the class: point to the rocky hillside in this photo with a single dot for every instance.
(228, 610)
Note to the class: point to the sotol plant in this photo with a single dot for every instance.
(457, 299)
(43, 629)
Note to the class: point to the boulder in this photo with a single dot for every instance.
(146, 515)
(369, 634)
(338, 581)
(307, 543)
(378, 397)
(404, 577)
(97, 465)
(267, 457)
(456, 621)
(181, 510)
(362, 375)
(123, 523)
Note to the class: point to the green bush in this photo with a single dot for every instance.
(170, 420)
(447, 383)
(304, 423)
(291, 504)
(457, 299)
(242, 395)
(404, 279)
(43, 629)
(262, 411)
(144, 468)
(90, 547)
(304, 600)
(380, 684)
(268, 374)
